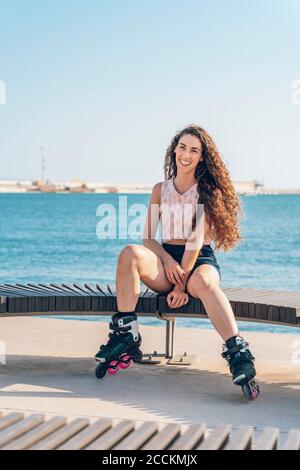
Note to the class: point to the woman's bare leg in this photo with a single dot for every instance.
(204, 284)
(137, 263)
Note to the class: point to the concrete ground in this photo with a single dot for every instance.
(49, 368)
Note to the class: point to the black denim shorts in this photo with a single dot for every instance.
(206, 255)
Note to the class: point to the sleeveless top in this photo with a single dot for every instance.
(176, 212)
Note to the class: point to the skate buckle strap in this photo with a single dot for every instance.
(247, 354)
(232, 350)
(118, 328)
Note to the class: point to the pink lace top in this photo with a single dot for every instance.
(176, 212)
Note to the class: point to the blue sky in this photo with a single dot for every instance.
(103, 86)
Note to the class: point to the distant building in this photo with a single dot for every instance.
(249, 187)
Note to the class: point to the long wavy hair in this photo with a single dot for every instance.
(216, 191)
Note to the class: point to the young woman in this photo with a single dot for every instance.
(195, 177)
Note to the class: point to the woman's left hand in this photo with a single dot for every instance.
(177, 298)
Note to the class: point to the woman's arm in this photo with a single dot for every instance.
(194, 244)
(187, 264)
(151, 225)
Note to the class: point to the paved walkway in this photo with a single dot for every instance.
(49, 369)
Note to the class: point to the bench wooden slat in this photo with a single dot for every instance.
(101, 288)
(245, 309)
(146, 302)
(112, 437)
(101, 302)
(138, 437)
(85, 437)
(110, 299)
(291, 299)
(45, 304)
(3, 304)
(27, 289)
(150, 300)
(111, 290)
(15, 291)
(51, 289)
(38, 433)
(10, 419)
(241, 294)
(71, 289)
(217, 439)
(37, 289)
(191, 438)
(16, 430)
(63, 288)
(40, 288)
(102, 294)
(93, 290)
(281, 313)
(268, 440)
(37, 304)
(292, 441)
(74, 303)
(291, 314)
(264, 311)
(65, 306)
(61, 435)
(163, 438)
(7, 293)
(15, 304)
(273, 313)
(251, 309)
(241, 440)
(81, 289)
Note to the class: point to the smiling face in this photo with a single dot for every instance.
(188, 153)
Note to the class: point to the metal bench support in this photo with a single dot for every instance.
(168, 357)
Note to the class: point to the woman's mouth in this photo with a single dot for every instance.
(185, 162)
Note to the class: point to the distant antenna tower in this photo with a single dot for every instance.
(43, 162)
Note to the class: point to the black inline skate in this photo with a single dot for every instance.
(240, 360)
(122, 347)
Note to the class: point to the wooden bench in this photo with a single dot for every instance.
(31, 299)
(36, 432)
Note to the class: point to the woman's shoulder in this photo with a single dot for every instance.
(161, 190)
(162, 185)
(156, 192)
(157, 186)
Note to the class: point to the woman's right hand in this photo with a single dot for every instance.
(174, 271)
(177, 298)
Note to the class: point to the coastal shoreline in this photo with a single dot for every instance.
(77, 186)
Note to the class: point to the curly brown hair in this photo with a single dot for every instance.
(215, 188)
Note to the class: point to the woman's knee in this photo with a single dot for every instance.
(131, 254)
(200, 282)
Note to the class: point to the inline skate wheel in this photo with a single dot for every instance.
(137, 356)
(251, 390)
(125, 362)
(100, 371)
(113, 367)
